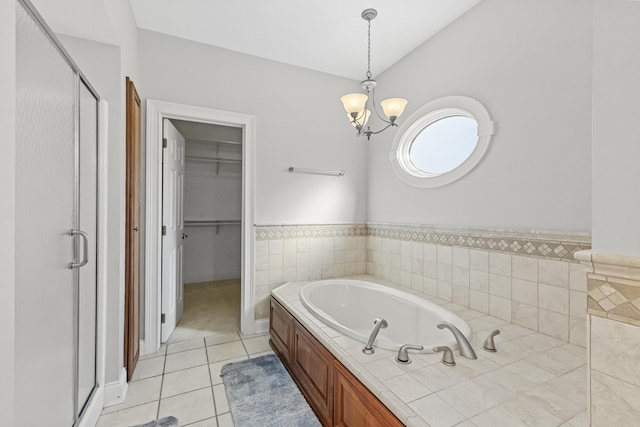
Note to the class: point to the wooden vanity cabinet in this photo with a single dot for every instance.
(312, 366)
(355, 405)
(281, 331)
(337, 397)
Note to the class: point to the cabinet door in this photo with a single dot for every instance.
(281, 330)
(355, 406)
(313, 368)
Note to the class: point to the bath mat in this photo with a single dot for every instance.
(162, 422)
(261, 393)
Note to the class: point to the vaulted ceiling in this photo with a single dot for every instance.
(328, 35)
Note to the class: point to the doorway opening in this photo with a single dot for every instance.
(201, 244)
(159, 302)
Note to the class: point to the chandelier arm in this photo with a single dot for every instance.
(370, 132)
(373, 101)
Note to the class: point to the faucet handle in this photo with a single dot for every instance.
(489, 345)
(403, 353)
(447, 357)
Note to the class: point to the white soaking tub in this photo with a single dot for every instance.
(350, 307)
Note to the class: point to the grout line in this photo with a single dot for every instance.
(128, 407)
(185, 392)
(213, 397)
(161, 384)
(206, 419)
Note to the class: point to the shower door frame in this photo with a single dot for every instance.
(87, 415)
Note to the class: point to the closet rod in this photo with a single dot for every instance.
(214, 141)
(316, 171)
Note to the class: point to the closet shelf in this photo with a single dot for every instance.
(211, 223)
(212, 159)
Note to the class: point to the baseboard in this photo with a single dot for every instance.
(211, 277)
(93, 411)
(115, 392)
(261, 326)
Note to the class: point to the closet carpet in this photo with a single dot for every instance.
(209, 308)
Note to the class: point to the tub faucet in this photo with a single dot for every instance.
(463, 344)
(379, 323)
(403, 353)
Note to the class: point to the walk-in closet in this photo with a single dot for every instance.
(211, 236)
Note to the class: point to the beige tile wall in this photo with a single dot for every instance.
(287, 257)
(547, 295)
(504, 275)
(613, 308)
(615, 374)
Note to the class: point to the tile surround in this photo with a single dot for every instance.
(613, 307)
(535, 289)
(484, 270)
(532, 380)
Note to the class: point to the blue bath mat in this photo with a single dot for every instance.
(162, 422)
(261, 393)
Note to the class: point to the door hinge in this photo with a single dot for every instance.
(164, 230)
(164, 142)
(162, 318)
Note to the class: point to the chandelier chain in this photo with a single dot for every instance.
(369, 49)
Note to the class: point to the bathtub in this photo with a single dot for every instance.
(350, 306)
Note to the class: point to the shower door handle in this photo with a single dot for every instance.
(85, 248)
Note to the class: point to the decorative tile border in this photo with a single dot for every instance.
(559, 246)
(276, 232)
(613, 286)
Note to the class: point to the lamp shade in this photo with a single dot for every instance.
(393, 107)
(360, 120)
(354, 102)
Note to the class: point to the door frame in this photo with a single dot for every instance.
(156, 112)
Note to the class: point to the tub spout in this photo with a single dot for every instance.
(463, 344)
(379, 323)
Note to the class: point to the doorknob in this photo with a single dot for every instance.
(184, 236)
(135, 228)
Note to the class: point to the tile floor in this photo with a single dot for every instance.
(183, 380)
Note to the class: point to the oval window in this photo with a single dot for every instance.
(442, 141)
(444, 145)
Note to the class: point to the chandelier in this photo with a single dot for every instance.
(356, 104)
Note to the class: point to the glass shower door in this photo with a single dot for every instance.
(45, 187)
(56, 230)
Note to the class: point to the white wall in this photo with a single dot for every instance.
(616, 127)
(7, 208)
(300, 122)
(529, 63)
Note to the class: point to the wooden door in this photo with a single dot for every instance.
(132, 233)
(173, 169)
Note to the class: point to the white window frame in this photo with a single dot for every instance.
(423, 117)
